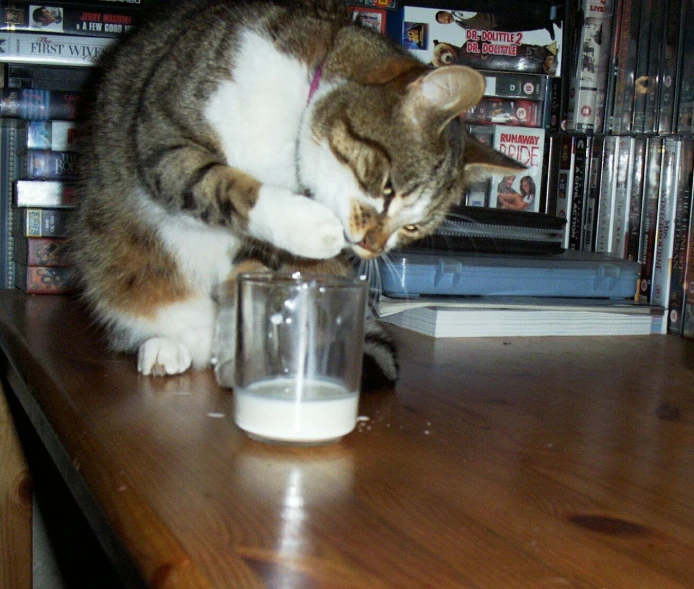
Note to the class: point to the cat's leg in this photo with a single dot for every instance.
(224, 344)
(177, 337)
(296, 224)
(227, 197)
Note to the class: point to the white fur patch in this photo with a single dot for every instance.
(257, 114)
(185, 331)
(204, 253)
(297, 224)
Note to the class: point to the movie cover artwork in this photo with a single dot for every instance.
(45, 279)
(520, 191)
(508, 85)
(370, 17)
(38, 105)
(42, 251)
(53, 135)
(45, 193)
(45, 164)
(505, 111)
(378, 4)
(500, 42)
(46, 18)
(589, 74)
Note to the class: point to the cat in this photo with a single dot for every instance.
(227, 136)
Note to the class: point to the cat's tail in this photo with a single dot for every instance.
(380, 366)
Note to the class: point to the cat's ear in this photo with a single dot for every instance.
(481, 161)
(444, 93)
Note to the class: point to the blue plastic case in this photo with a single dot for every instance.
(569, 274)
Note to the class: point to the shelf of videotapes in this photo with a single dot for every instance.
(44, 50)
(632, 68)
(631, 196)
(519, 52)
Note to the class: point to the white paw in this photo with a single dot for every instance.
(297, 224)
(161, 356)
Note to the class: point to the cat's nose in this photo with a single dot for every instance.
(373, 242)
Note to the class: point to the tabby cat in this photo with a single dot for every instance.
(225, 135)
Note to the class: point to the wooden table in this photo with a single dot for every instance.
(496, 463)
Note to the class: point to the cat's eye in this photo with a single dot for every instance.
(388, 191)
(410, 228)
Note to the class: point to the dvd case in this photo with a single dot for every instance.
(528, 42)
(576, 212)
(608, 176)
(589, 75)
(649, 214)
(592, 202)
(505, 111)
(520, 191)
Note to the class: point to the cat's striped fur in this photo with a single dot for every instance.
(203, 148)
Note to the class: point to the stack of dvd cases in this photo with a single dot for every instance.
(621, 170)
(520, 54)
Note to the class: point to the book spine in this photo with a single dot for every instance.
(649, 215)
(662, 260)
(45, 279)
(45, 194)
(41, 251)
(38, 105)
(505, 111)
(37, 222)
(43, 164)
(681, 237)
(52, 135)
(603, 232)
(578, 184)
(593, 193)
(567, 152)
(636, 168)
(89, 21)
(515, 85)
(52, 49)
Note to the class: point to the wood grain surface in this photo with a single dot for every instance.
(495, 463)
(15, 506)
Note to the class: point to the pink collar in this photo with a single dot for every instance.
(317, 75)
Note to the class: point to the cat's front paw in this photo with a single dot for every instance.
(297, 224)
(161, 356)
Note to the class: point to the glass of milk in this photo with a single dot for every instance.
(297, 356)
